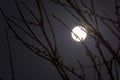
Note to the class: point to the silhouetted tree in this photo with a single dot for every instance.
(91, 20)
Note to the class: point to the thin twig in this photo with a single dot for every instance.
(11, 57)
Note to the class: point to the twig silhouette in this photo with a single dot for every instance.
(11, 57)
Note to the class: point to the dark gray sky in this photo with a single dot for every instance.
(28, 66)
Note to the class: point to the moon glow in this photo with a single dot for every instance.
(79, 33)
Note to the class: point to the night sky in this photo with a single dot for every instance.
(28, 66)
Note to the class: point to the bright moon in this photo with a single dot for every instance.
(79, 33)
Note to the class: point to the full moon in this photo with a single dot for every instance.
(79, 33)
